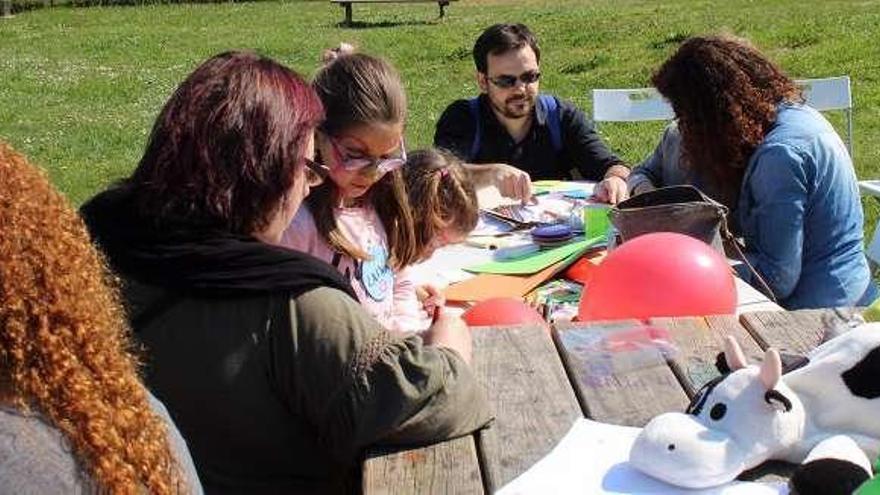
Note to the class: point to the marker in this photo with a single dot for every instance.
(436, 315)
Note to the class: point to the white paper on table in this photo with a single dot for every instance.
(444, 267)
(593, 457)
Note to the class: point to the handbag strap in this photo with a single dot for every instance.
(731, 240)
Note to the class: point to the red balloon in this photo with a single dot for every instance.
(659, 274)
(501, 311)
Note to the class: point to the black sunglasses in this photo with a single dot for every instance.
(505, 81)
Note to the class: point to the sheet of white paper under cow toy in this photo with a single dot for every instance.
(592, 459)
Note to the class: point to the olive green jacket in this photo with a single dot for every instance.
(281, 395)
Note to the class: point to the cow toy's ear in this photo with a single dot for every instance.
(733, 354)
(771, 369)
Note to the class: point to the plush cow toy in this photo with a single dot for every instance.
(755, 413)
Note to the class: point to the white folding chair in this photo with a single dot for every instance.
(630, 105)
(641, 104)
(831, 93)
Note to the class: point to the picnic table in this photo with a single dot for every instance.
(539, 380)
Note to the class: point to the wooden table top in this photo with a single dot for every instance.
(539, 381)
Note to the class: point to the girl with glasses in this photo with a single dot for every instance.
(359, 219)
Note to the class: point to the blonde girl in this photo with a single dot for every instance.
(444, 207)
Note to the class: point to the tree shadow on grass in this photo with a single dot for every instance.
(382, 24)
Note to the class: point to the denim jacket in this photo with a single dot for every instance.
(801, 215)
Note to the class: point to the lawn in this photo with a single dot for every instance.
(80, 87)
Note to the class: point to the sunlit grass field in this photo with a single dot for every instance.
(80, 87)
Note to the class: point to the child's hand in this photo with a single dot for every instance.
(451, 332)
(431, 298)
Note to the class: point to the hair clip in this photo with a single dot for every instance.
(444, 171)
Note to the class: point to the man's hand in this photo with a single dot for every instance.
(451, 332)
(611, 190)
(510, 181)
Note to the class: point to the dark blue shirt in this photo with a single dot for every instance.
(582, 149)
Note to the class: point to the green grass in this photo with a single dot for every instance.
(79, 88)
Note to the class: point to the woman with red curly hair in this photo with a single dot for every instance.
(745, 130)
(74, 416)
(275, 374)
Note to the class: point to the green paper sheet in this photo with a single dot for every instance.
(557, 186)
(536, 262)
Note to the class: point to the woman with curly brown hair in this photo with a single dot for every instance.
(745, 131)
(275, 374)
(74, 416)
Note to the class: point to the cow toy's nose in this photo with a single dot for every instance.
(678, 449)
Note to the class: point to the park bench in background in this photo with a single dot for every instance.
(347, 5)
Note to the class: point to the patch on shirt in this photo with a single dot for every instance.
(375, 274)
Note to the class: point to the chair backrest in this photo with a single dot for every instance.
(630, 105)
(831, 93)
(641, 104)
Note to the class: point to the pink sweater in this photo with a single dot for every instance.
(388, 296)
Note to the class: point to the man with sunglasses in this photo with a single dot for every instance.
(511, 135)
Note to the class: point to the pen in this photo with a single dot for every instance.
(436, 315)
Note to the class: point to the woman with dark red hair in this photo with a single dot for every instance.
(272, 370)
(745, 131)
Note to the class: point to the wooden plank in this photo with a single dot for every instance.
(530, 394)
(447, 467)
(617, 379)
(794, 332)
(698, 341)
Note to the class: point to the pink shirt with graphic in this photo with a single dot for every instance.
(388, 296)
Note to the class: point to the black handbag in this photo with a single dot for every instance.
(683, 210)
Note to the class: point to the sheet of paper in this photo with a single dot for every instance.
(488, 285)
(559, 186)
(444, 267)
(592, 458)
(536, 262)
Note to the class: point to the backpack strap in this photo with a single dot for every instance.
(554, 120)
(551, 112)
(474, 107)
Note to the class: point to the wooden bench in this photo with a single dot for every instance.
(346, 4)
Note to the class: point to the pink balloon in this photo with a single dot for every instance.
(660, 274)
(501, 311)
